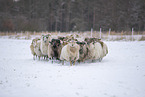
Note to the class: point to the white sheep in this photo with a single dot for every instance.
(91, 51)
(44, 44)
(105, 49)
(34, 41)
(32, 51)
(37, 49)
(70, 52)
(98, 51)
(50, 51)
(95, 51)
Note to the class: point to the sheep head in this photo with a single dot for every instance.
(72, 43)
(45, 38)
(55, 43)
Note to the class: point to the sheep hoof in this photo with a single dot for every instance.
(62, 62)
(100, 59)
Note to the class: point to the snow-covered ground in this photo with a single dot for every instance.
(120, 74)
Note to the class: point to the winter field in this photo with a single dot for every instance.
(120, 74)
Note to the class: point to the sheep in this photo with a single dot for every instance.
(64, 43)
(44, 44)
(89, 40)
(34, 41)
(54, 48)
(95, 51)
(70, 52)
(37, 49)
(98, 51)
(105, 49)
(32, 51)
(91, 51)
(83, 52)
(104, 46)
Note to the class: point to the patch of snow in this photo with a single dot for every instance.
(120, 74)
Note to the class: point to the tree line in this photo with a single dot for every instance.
(72, 15)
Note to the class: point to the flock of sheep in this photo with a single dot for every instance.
(70, 48)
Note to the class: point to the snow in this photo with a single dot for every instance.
(120, 74)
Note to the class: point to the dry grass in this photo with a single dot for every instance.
(114, 36)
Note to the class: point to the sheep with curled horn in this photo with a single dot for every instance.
(44, 45)
(70, 52)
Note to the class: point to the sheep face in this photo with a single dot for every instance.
(55, 43)
(82, 44)
(45, 38)
(34, 41)
(72, 44)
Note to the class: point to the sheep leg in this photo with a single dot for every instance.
(63, 62)
(83, 61)
(74, 61)
(39, 57)
(52, 59)
(70, 63)
(33, 57)
(79, 61)
(49, 59)
(100, 59)
(44, 57)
